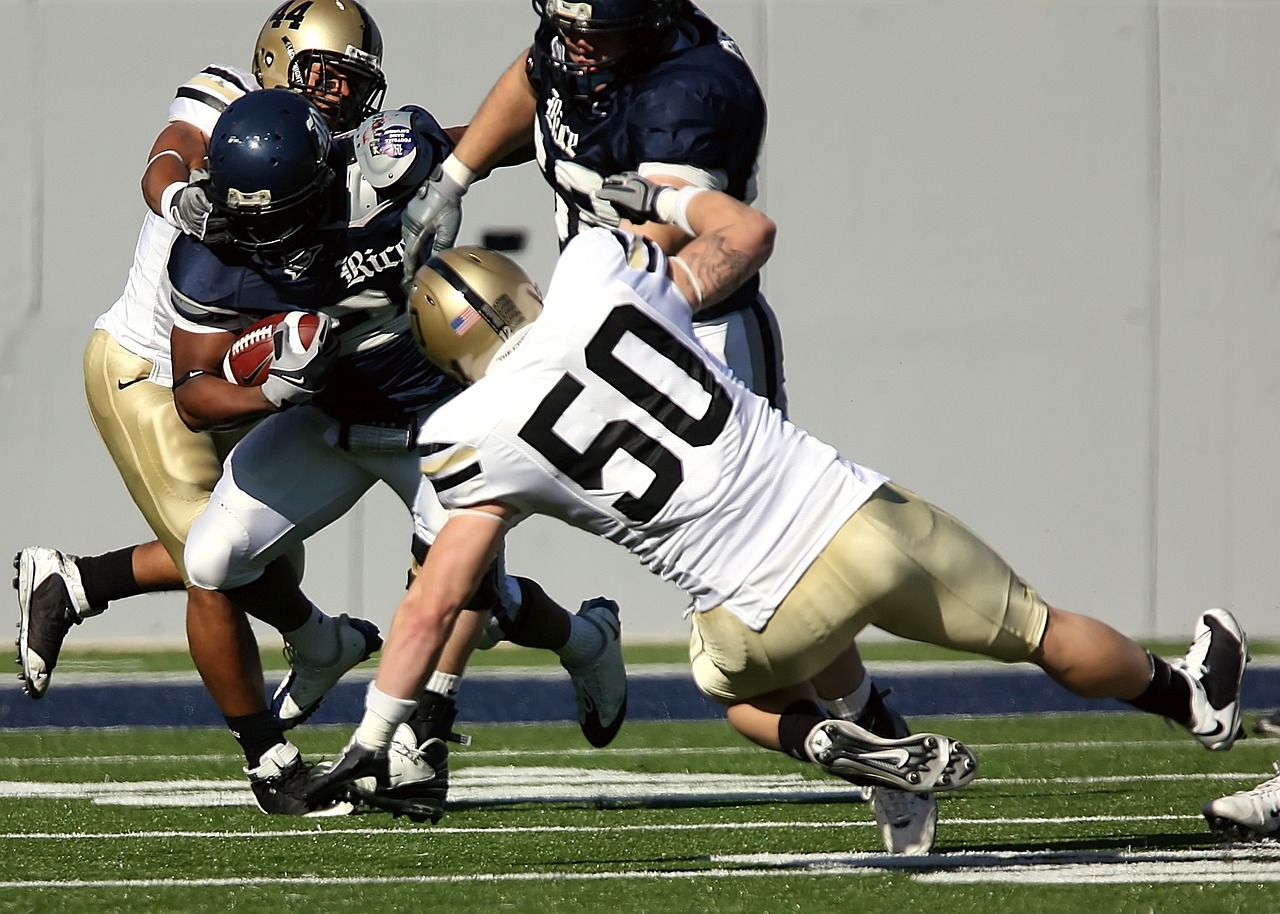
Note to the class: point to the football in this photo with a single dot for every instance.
(249, 358)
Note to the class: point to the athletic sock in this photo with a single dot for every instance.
(795, 725)
(256, 733)
(1168, 694)
(108, 577)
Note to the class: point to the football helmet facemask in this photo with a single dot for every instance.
(330, 51)
(626, 34)
(268, 168)
(466, 302)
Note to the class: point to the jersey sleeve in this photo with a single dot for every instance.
(203, 290)
(201, 99)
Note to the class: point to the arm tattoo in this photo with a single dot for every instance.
(719, 269)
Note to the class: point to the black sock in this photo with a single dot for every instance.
(795, 725)
(108, 577)
(1168, 695)
(434, 717)
(256, 733)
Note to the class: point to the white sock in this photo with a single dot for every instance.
(851, 706)
(382, 714)
(446, 684)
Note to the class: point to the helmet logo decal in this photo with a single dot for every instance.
(295, 15)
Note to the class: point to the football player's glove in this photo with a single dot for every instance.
(191, 212)
(328, 782)
(298, 372)
(638, 199)
(435, 208)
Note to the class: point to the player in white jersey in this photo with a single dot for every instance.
(600, 409)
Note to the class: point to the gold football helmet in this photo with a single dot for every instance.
(330, 51)
(465, 303)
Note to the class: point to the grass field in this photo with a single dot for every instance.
(1095, 813)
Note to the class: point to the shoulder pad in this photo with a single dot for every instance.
(386, 147)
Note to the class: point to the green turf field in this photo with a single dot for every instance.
(1091, 814)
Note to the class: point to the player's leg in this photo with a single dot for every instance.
(766, 677)
(263, 506)
(934, 580)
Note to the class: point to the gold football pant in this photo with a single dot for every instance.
(168, 469)
(900, 564)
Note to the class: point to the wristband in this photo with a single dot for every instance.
(166, 202)
(457, 172)
(680, 207)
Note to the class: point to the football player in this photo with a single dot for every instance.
(657, 87)
(330, 51)
(787, 549)
(313, 224)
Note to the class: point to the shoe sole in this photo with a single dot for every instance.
(24, 584)
(372, 644)
(1234, 831)
(921, 763)
(415, 809)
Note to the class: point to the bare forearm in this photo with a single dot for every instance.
(178, 150)
(503, 124)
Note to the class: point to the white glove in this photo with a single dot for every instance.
(298, 372)
(435, 208)
(189, 210)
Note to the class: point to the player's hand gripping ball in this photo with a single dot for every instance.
(287, 354)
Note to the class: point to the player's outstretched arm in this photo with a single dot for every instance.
(730, 240)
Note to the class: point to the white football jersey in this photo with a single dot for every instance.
(608, 414)
(142, 316)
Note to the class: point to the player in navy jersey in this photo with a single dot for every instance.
(314, 226)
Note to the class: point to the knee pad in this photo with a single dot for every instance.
(215, 554)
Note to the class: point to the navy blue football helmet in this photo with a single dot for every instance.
(631, 30)
(269, 171)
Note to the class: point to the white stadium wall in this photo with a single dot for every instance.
(1027, 265)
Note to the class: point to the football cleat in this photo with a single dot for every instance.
(1215, 666)
(1268, 724)
(920, 763)
(280, 783)
(908, 822)
(600, 686)
(50, 600)
(412, 780)
(300, 694)
(1248, 814)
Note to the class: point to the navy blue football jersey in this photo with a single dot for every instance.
(699, 106)
(350, 267)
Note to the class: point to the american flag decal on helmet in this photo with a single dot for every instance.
(465, 321)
